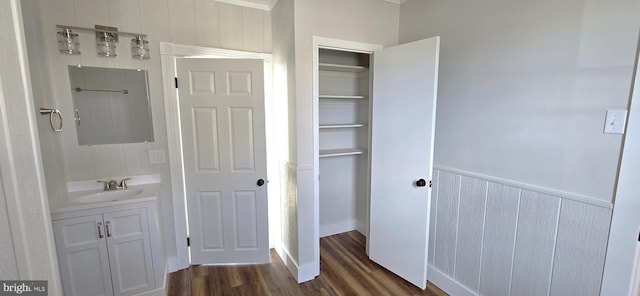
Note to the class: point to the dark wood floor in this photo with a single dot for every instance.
(344, 270)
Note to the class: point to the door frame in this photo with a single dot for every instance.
(344, 45)
(169, 53)
(619, 268)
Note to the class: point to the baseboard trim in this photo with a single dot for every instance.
(446, 283)
(362, 228)
(288, 262)
(340, 227)
(307, 272)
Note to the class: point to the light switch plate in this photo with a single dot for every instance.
(615, 121)
(157, 156)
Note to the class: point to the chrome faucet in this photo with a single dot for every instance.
(113, 184)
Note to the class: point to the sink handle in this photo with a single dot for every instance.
(123, 183)
(106, 184)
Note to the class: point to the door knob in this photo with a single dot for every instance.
(260, 182)
(421, 183)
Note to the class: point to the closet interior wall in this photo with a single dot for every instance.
(344, 133)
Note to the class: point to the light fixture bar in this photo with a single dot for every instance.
(100, 30)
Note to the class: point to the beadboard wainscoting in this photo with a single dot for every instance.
(288, 248)
(498, 237)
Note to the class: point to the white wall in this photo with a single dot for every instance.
(194, 22)
(50, 144)
(625, 225)
(524, 87)
(523, 92)
(374, 22)
(8, 264)
(282, 15)
(24, 194)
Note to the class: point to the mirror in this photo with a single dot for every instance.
(111, 105)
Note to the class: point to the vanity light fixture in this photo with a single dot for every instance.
(106, 44)
(140, 48)
(68, 42)
(106, 39)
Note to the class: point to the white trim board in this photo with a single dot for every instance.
(269, 4)
(263, 5)
(169, 52)
(330, 43)
(396, 1)
(340, 227)
(446, 283)
(558, 193)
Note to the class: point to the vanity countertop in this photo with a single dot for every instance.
(148, 192)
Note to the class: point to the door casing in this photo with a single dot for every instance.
(323, 42)
(169, 52)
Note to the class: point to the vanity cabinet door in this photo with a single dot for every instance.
(82, 255)
(129, 251)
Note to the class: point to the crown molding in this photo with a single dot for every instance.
(269, 4)
(252, 4)
(396, 1)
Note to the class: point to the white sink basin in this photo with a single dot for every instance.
(113, 195)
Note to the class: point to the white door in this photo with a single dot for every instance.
(403, 115)
(129, 248)
(224, 151)
(82, 255)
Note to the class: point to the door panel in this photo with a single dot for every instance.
(242, 148)
(222, 122)
(402, 130)
(211, 213)
(245, 204)
(205, 125)
(82, 255)
(129, 247)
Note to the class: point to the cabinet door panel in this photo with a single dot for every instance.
(82, 255)
(129, 251)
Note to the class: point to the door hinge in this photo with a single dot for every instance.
(188, 242)
(430, 183)
(176, 80)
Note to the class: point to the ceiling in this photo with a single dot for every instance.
(268, 4)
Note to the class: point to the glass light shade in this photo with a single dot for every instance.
(140, 48)
(68, 42)
(106, 45)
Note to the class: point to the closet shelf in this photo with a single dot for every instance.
(340, 152)
(342, 68)
(332, 126)
(340, 97)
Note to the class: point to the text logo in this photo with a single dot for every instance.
(23, 288)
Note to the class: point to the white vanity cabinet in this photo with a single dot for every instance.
(106, 250)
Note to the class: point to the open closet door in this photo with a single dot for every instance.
(405, 83)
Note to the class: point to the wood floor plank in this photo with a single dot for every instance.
(345, 269)
(200, 286)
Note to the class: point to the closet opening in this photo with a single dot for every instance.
(343, 129)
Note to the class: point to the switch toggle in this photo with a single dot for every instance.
(615, 121)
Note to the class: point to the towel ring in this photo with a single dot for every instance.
(45, 111)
